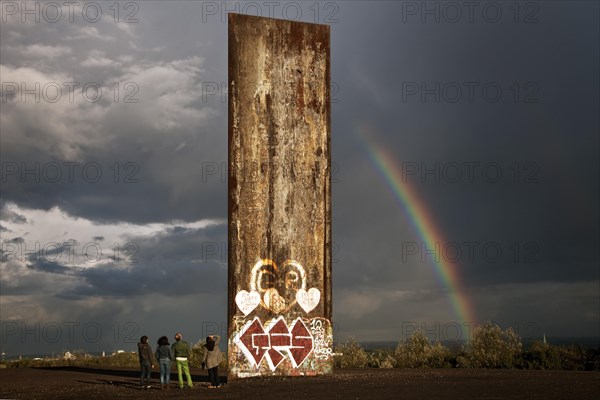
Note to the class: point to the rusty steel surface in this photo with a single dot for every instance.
(279, 198)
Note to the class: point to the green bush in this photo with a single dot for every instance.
(541, 356)
(418, 352)
(350, 355)
(592, 360)
(572, 357)
(379, 359)
(197, 355)
(491, 347)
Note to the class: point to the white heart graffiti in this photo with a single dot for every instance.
(308, 300)
(278, 288)
(247, 301)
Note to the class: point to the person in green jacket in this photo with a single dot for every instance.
(181, 351)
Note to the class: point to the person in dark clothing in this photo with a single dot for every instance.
(164, 355)
(212, 359)
(146, 362)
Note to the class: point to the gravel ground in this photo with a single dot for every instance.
(122, 383)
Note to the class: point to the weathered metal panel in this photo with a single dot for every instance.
(279, 198)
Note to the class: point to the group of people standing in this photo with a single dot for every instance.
(179, 352)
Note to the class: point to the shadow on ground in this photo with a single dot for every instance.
(128, 373)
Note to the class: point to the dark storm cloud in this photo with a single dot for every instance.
(530, 213)
(51, 267)
(115, 155)
(177, 262)
(161, 277)
(45, 256)
(12, 216)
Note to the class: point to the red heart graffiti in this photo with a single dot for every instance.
(256, 343)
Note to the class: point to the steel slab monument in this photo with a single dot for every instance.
(279, 316)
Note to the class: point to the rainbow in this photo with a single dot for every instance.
(420, 219)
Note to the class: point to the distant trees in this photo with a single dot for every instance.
(489, 347)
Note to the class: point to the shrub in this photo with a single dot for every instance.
(572, 357)
(379, 359)
(351, 355)
(592, 360)
(541, 356)
(387, 362)
(491, 347)
(418, 352)
(547, 356)
(197, 355)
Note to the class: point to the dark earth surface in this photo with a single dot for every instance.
(122, 383)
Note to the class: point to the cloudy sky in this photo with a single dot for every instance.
(466, 131)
